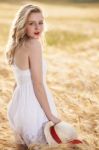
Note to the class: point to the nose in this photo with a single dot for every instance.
(36, 26)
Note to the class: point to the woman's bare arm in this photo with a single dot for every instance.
(35, 58)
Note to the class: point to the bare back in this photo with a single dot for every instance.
(21, 57)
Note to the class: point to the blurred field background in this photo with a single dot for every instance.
(72, 54)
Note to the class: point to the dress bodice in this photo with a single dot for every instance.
(24, 76)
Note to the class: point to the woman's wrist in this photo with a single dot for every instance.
(50, 116)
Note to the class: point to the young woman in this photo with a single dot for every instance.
(31, 105)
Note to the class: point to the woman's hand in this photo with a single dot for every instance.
(54, 119)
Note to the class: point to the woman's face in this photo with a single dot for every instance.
(35, 25)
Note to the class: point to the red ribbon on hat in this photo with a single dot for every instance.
(58, 140)
(54, 134)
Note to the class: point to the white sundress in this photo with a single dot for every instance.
(25, 115)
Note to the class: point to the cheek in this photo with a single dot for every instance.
(42, 28)
(29, 29)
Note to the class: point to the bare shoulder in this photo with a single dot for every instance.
(34, 46)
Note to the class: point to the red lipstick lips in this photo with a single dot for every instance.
(36, 33)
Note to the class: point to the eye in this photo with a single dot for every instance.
(40, 22)
(31, 23)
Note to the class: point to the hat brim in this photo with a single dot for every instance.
(51, 140)
(48, 135)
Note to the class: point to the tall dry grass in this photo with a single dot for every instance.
(72, 55)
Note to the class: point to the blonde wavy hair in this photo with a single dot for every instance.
(17, 34)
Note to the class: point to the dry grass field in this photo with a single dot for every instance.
(72, 54)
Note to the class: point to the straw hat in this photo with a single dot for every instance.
(61, 132)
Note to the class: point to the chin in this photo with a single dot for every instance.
(36, 37)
